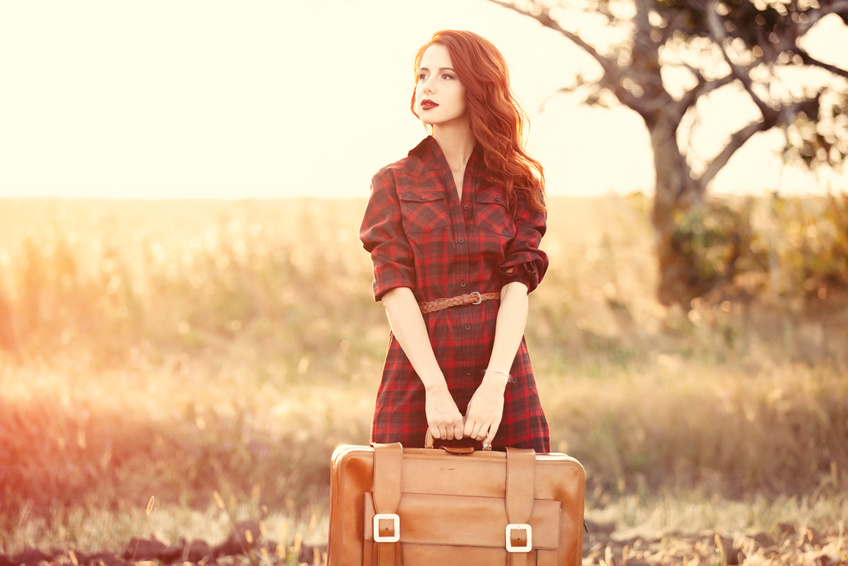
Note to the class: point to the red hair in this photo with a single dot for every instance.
(494, 114)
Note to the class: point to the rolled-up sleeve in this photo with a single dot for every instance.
(524, 261)
(382, 235)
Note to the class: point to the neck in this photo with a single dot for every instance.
(457, 143)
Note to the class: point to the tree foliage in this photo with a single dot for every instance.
(661, 58)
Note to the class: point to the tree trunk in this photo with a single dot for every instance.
(676, 191)
(677, 194)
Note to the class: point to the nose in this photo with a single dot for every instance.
(427, 85)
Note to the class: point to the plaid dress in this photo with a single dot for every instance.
(421, 236)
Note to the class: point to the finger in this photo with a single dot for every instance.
(457, 432)
(437, 433)
(472, 428)
(475, 428)
(493, 430)
(449, 433)
(454, 432)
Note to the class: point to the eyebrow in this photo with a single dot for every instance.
(439, 69)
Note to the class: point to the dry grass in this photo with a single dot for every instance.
(178, 349)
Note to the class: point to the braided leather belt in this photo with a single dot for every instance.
(473, 298)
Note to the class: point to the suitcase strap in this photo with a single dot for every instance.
(388, 460)
(520, 484)
(518, 501)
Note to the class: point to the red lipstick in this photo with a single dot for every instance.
(428, 104)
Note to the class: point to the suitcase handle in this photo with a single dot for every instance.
(429, 442)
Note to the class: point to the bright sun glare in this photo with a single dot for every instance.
(266, 99)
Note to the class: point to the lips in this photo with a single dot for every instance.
(428, 104)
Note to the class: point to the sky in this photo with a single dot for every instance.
(277, 98)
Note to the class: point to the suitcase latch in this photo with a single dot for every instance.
(519, 537)
(387, 527)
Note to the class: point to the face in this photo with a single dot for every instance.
(439, 96)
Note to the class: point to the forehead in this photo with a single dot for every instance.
(436, 57)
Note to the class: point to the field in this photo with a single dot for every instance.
(170, 369)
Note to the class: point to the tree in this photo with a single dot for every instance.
(753, 46)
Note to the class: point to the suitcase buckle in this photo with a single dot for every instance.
(388, 532)
(521, 544)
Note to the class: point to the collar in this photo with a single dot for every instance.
(428, 151)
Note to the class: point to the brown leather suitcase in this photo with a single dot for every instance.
(392, 506)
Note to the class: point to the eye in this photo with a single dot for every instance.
(448, 76)
(422, 76)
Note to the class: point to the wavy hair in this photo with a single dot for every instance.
(496, 118)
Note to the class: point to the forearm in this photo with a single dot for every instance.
(485, 410)
(408, 327)
(509, 330)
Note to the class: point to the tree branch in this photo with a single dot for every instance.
(737, 140)
(676, 22)
(719, 37)
(611, 80)
(812, 61)
(573, 89)
(544, 18)
(704, 87)
(835, 8)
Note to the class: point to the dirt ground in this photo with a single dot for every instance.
(793, 546)
(601, 546)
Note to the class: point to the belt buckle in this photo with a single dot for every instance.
(527, 546)
(479, 297)
(395, 534)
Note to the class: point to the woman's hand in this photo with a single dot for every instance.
(443, 416)
(485, 410)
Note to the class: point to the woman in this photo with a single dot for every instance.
(453, 230)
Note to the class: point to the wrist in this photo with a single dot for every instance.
(435, 386)
(496, 376)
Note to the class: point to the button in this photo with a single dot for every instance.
(462, 240)
(497, 198)
(468, 374)
(422, 197)
(463, 284)
(468, 327)
(466, 207)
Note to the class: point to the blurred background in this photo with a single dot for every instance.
(186, 311)
(218, 100)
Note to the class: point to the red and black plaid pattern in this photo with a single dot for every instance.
(421, 236)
